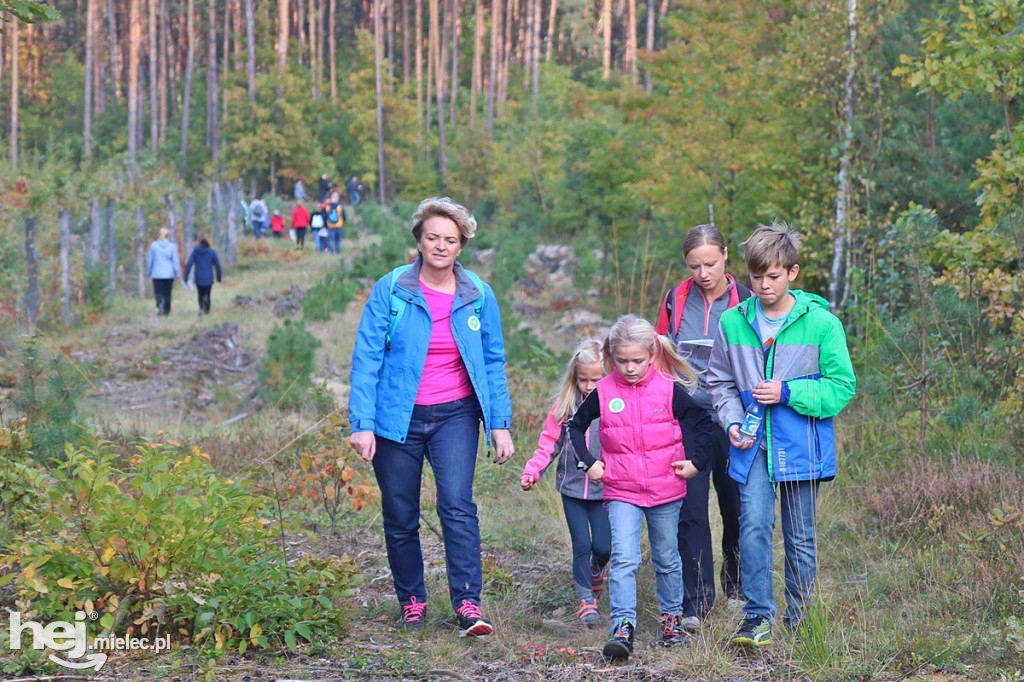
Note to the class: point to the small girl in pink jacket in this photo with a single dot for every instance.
(653, 436)
(582, 501)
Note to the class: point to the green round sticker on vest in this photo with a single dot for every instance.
(617, 405)
(474, 323)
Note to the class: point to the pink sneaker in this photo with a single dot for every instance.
(414, 615)
(471, 621)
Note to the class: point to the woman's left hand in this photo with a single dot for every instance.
(503, 447)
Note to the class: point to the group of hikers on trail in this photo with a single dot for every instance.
(733, 385)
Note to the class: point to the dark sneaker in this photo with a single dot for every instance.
(597, 581)
(671, 631)
(414, 615)
(754, 632)
(471, 621)
(620, 646)
(587, 613)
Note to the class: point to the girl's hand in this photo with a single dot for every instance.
(503, 447)
(526, 482)
(684, 468)
(365, 443)
(738, 439)
(596, 472)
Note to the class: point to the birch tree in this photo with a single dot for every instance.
(840, 237)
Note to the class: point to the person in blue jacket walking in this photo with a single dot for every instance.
(163, 266)
(206, 263)
(427, 368)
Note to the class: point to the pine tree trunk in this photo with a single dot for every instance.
(231, 252)
(188, 224)
(31, 263)
(494, 68)
(250, 44)
(95, 233)
(140, 249)
(15, 98)
(186, 106)
(153, 56)
(391, 40)
(549, 47)
(453, 78)
(406, 43)
(65, 266)
(283, 31)
(527, 42)
(90, 70)
(631, 43)
(111, 250)
(212, 87)
(378, 49)
(476, 84)
(115, 61)
(300, 30)
(331, 21)
(649, 43)
(507, 45)
(535, 56)
(225, 64)
(314, 51)
(134, 47)
(440, 69)
(431, 64)
(163, 67)
(606, 35)
(418, 38)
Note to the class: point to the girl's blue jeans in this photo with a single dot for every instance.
(662, 529)
(446, 435)
(591, 541)
(798, 501)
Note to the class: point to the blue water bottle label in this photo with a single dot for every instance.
(751, 423)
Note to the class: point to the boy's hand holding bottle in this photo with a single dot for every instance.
(596, 472)
(684, 468)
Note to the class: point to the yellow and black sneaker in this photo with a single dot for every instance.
(754, 632)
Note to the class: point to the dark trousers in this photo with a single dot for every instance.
(162, 294)
(695, 533)
(204, 298)
(591, 536)
(300, 236)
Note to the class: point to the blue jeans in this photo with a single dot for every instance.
(662, 525)
(591, 541)
(757, 524)
(447, 436)
(334, 239)
(321, 242)
(257, 228)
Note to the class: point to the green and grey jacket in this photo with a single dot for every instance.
(810, 355)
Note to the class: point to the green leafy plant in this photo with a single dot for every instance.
(330, 295)
(159, 542)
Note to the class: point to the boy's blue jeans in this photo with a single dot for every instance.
(447, 435)
(757, 524)
(662, 528)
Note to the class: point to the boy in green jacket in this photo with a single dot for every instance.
(781, 356)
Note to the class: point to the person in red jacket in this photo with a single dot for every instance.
(300, 221)
(277, 224)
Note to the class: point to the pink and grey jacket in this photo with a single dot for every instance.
(570, 479)
(644, 428)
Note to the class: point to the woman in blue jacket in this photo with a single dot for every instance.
(206, 264)
(428, 367)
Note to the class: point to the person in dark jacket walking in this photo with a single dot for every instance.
(206, 264)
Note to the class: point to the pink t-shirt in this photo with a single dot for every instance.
(444, 375)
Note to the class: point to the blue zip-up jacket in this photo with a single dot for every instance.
(205, 261)
(811, 358)
(384, 381)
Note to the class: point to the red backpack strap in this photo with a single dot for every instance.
(679, 295)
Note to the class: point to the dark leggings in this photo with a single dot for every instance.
(204, 298)
(591, 536)
(162, 294)
(300, 236)
(695, 533)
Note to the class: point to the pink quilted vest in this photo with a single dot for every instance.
(640, 438)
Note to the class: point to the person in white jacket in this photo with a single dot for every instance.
(163, 266)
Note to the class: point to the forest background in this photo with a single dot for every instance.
(888, 133)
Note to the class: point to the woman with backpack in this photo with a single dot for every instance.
(427, 368)
(334, 218)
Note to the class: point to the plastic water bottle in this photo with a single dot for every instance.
(752, 420)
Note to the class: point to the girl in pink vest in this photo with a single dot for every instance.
(648, 425)
(585, 512)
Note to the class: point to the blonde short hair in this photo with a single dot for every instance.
(444, 208)
(164, 233)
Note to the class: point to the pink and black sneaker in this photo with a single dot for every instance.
(414, 615)
(471, 620)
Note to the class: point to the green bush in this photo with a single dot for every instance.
(284, 372)
(49, 388)
(159, 542)
(330, 295)
(395, 239)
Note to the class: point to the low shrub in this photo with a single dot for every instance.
(284, 372)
